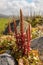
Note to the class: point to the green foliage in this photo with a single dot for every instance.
(7, 43)
(3, 24)
(35, 20)
(30, 60)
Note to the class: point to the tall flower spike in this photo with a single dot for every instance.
(22, 32)
(9, 28)
(28, 37)
(22, 29)
(15, 30)
(21, 22)
(15, 27)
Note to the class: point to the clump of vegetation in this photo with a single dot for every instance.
(35, 20)
(30, 60)
(7, 42)
(36, 32)
(20, 44)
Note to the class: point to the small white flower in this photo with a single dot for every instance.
(35, 58)
(29, 57)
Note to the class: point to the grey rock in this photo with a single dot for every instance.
(25, 25)
(6, 59)
(37, 44)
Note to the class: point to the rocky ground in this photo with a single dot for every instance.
(38, 44)
(7, 59)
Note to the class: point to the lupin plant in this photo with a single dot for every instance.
(9, 28)
(27, 42)
(15, 30)
(28, 37)
(21, 39)
(22, 36)
(21, 23)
